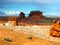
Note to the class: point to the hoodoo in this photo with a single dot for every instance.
(21, 16)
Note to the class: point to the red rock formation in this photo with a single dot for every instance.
(36, 15)
(11, 18)
(21, 16)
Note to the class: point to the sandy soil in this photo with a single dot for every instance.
(21, 38)
(42, 31)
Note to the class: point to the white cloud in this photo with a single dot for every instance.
(12, 12)
(51, 14)
(27, 12)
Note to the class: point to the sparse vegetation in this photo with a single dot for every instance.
(29, 37)
(8, 40)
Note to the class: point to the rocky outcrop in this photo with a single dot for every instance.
(21, 17)
(33, 16)
(36, 15)
(32, 13)
(55, 29)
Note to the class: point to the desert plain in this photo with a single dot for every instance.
(19, 35)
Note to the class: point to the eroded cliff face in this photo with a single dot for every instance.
(33, 16)
(21, 17)
(36, 15)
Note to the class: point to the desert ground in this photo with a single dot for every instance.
(19, 35)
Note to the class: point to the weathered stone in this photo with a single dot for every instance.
(21, 16)
(55, 29)
(36, 15)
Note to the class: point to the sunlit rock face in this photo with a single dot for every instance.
(11, 21)
(36, 15)
(55, 29)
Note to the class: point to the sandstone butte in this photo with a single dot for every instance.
(33, 18)
(21, 39)
(36, 15)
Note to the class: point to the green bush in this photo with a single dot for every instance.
(7, 39)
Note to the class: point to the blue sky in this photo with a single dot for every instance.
(14, 7)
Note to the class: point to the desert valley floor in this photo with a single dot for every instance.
(18, 35)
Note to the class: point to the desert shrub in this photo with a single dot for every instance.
(7, 39)
(29, 37)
